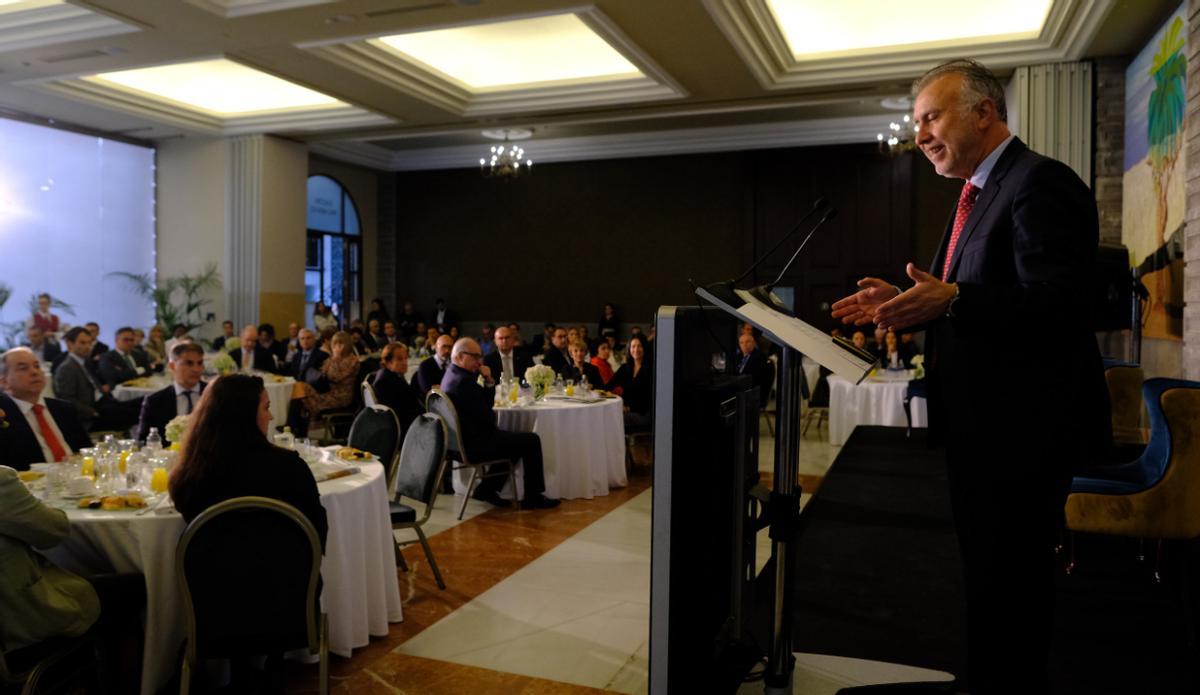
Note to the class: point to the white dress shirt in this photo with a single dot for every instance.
(30, 417)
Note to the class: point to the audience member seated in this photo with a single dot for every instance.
(878, 346)
(359, 342)
(859, 339)
(98, 348)
(38, 428)
(408, 323)
(518, 342)
(426, 343)
(46, 348)
(42, 318)
(432, 369)
(892, 357)
(224, 341)
(392, 390)
(228, 455)
(292, 344)
(390, 335)
(179, 334)
(486, 343)
(608, 323)
(323, 317)
(506, 359)
(266, 338)
(121, 363)
(378, 312)
(94, 405)
(634, 383)
(374, 337)
(252, 355)
(479, 435)
(580, 368)
(305, 364)
(908, 347)
(601, 363)
(335, 390)
(441, 317)
(180, 398)
(751, 362)
(156, 345)
(615, 359)
(542, 341)
(453, 332)
(555, 356)
(142, 355)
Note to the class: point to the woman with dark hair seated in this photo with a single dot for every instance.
(579, 367)
(601, 363)
(335, 389)
(634, 383)
(227, 454)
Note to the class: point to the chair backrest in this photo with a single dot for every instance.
(1125, 395)
(439, 403)
(248, 570)
(423, 460)
(1159, 450)
(377, 429)
(368, 392)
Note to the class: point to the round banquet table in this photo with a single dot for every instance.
(279, 390)
(361, 594)
(875, 401)
(583, 445)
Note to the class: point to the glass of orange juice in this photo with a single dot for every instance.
(88, 467)
(158, 480)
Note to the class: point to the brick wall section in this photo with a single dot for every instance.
(1109, 141)
(1191, 271)
(385, 258)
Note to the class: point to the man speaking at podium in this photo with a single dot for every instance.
(1016, 418)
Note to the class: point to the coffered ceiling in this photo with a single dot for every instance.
(409, 84)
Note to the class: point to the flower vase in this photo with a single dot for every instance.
(539, 392)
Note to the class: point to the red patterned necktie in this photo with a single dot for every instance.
(966, 201)
(56, 446)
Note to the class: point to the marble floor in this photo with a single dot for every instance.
(553, 601)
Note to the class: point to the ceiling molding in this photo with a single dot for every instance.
(839, 131)
(371, 58)
(43, 25)
(751, 29)
(172, 113)
(242, 8)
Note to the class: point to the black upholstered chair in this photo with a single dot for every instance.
(440, 404)
(248, 572)
(377, 430)
(50, 666)
(418, 477)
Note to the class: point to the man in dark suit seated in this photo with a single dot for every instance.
(180, 398)
(507, 359)
(34, 428)
(374, 337)
(306, 362)
(431, 371)
(46, 349)
(94, 404)
(556, 356)
(251, 355)
(99, 347)
(226, 336)
(121, 363)
(392, 390)
(751, 362)
(479, 435)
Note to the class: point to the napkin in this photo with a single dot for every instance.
(327, 471)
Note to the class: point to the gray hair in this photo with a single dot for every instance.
(978, 84)
(4, 358)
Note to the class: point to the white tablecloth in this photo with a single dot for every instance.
(583, 445)
(361, 592)
(873, 402)
(280, 393)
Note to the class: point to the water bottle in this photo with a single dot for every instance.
(560, 386)
(584, 386)
(154, 440)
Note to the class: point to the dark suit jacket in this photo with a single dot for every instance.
(218, 343)
(73, 383)
(521, 362)
(637, 392)
(264, 359)
(449, 319)
(393, 391)
(50, 350)
(554, 358)
(1024, 258)
(158, 409)
(571, 373)
(18, 444)
(429, 374)
(474, 403)
(114, 369)
(297, 369)
(757, 368)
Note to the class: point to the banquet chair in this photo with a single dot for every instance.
(48, 666)
(1124, 382)
(818, 403)
(1158, 495)
(248, 571)
(368, 393)
(440, 404)
(377, 430)
(418, 477)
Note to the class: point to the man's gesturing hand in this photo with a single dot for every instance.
(926, 301)
(860, 307)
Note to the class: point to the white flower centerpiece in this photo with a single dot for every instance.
(176, 430)
(224, 364)
(540, 377)
(918, 363)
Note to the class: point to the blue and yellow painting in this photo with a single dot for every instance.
(1154, 198)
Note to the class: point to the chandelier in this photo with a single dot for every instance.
(900, 137)
(506, 160)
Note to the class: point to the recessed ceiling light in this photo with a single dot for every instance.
(554, 48)
(818, 28)
(219, 86)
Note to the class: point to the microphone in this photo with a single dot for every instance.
(828, 216)
(819, 204)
